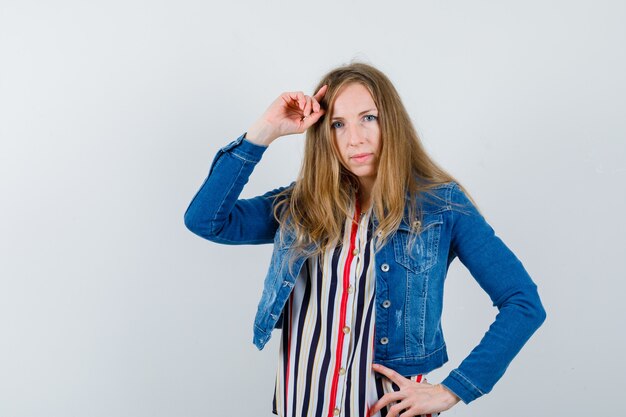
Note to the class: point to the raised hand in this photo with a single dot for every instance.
(290, 113)
(413, 398)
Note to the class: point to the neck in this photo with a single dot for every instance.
(365, 193)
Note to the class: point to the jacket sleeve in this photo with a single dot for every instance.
(216, 213)
(498, 271)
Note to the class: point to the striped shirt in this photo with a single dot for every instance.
(327, 341)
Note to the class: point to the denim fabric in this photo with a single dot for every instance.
(410, 282)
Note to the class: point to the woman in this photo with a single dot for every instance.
(362, 243)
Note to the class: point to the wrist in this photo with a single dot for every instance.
(260, 134)
(450, 397)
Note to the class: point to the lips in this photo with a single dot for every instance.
(361, 157)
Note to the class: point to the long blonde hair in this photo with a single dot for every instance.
(316, 206)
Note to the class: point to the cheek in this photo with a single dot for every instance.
(341, 149)
(344, 156)
(341, 145)
(373, 130)
(376, 141)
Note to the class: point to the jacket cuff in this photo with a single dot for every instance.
(244, 149)
(462, 387)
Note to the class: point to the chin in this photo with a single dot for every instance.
(363, 172)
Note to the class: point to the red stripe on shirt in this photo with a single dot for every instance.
(342, 313)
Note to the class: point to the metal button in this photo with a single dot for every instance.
(384, 341)
(386, 303)
(417, 224)
(355, 252)
(342, 371)
(346, 329)
(336, 412)
(384, 267)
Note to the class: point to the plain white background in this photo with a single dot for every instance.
(111, 112)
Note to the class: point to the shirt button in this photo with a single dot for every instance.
(384, 341)
(355, 252)
(336, 412)
(346, 329)
(342, 371)
(386, 303)
(384, 267)
(350, 289)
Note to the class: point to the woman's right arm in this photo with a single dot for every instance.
(216, 213)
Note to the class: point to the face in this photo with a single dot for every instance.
(354, 122)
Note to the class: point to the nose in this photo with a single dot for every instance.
(356, 134)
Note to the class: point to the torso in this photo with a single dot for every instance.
(326, 349)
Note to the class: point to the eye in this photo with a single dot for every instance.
(370, 118)
(336, 125)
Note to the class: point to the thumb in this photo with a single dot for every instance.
(312, 118)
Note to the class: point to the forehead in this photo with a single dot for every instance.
(353, 99)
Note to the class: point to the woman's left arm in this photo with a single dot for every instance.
(501, 274)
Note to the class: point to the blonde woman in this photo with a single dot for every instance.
(362, 243)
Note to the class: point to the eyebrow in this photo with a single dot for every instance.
(360, 114)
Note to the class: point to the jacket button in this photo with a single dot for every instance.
(417, 224)
(384, 341)
(384, 267)
(386, 303)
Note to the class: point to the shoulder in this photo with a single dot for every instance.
(438, 198)
(451, 194)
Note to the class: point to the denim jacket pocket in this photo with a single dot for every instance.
(416, 248)
(418, 252)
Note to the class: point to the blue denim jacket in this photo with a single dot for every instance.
(409, 284)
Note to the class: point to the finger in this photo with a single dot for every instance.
(307, 106)
(320, 93)
(391, 374)
(412, 412)
(307, 122)
(315, 105)
(416, 410)
(301, 100)
(396, 409)
(312, 119)
(297, 97)
(385, 400)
